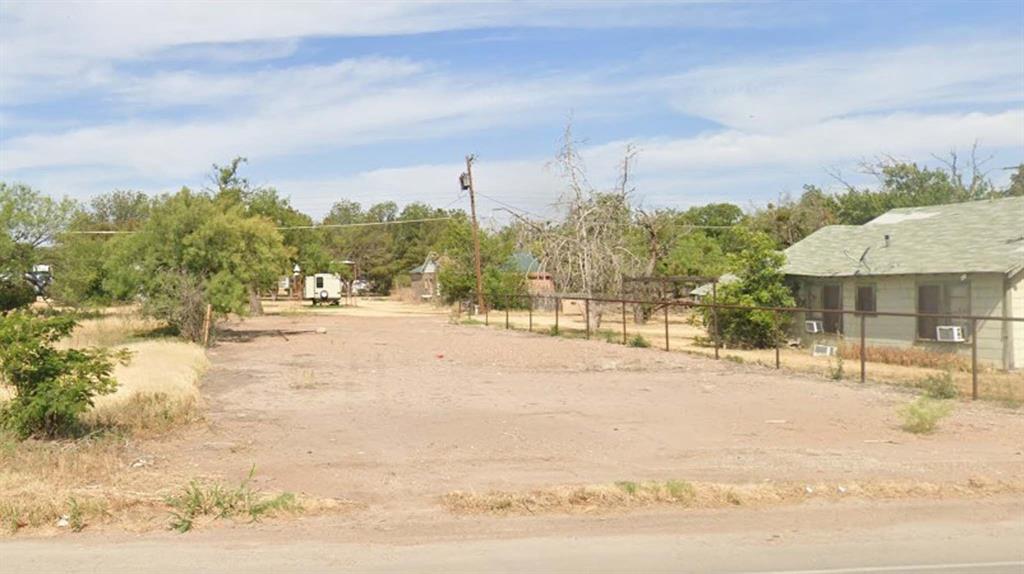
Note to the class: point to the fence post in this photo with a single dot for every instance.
(558, 305)
(487, 314)
(863, 347)
(974, 359)
(586, 315)
(530, 299)
(506, 310)
(623, 322)
(666, 326)
(714, 314)
(778, 362)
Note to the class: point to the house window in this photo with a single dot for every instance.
(832, 298)
(865, 299)
(942, 299)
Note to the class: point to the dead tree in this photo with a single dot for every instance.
(588, 251)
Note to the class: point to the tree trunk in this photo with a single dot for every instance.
(255, 305)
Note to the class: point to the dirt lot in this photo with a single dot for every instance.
(395, 411)
(391, 407)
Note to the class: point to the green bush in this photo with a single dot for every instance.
(639, 341)
(761, 284)
(940, 386)
(52, 387)
(922, 416)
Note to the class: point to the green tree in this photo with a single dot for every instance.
(192, 251)
(80, 259)
(761, 284)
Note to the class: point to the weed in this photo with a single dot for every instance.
(218, 501)
(835, 370)
(680, 490)
(940, 386)
(734, 359)
(639, 341)
(922, 415)
(76, 520)
(627, 486)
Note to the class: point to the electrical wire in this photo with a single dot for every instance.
(291, 227)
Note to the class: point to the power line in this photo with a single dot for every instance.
(366, 224)
(509, 206)
(291, 227)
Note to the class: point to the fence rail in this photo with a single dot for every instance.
(556, 300)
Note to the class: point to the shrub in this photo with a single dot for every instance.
(922, 415)
(52, 387)
(940, 386)
(639, 341)
(760, 284)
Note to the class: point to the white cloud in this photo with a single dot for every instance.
(781, 94)
(678, 172)
(53, 48)
(288, 111)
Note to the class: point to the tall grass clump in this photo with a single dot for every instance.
(216, 501)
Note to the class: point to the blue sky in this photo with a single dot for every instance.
(380, 101)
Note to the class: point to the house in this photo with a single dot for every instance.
(423, 279)
(539, 282)
(956, 259)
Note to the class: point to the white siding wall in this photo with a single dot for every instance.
(898, 293)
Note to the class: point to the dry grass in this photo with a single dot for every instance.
(698, 495)
(908, 357)
(157, 391)
(83, 480)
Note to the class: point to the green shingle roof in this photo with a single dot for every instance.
(985, 236)
(524, 262)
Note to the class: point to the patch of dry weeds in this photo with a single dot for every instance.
(627, 495)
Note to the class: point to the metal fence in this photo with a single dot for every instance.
(513, 307)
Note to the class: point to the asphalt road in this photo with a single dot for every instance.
(982, 548)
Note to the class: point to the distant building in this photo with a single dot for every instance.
(423, 280)
(956, 259)
(539, 282)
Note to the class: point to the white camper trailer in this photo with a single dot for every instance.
(323, 288)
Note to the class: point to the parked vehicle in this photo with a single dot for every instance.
(323, 289)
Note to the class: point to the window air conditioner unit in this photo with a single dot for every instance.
(823, 351)
(813, 327)
(949, 334)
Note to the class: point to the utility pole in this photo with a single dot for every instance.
(467, 184)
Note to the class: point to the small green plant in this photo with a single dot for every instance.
(628, 486)
(922, 415)
(639, 341)
(680, 490)
(835, 369)
(554, 331)
(217, 501)
(734, 359)
(76, 519)
(940, 386)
